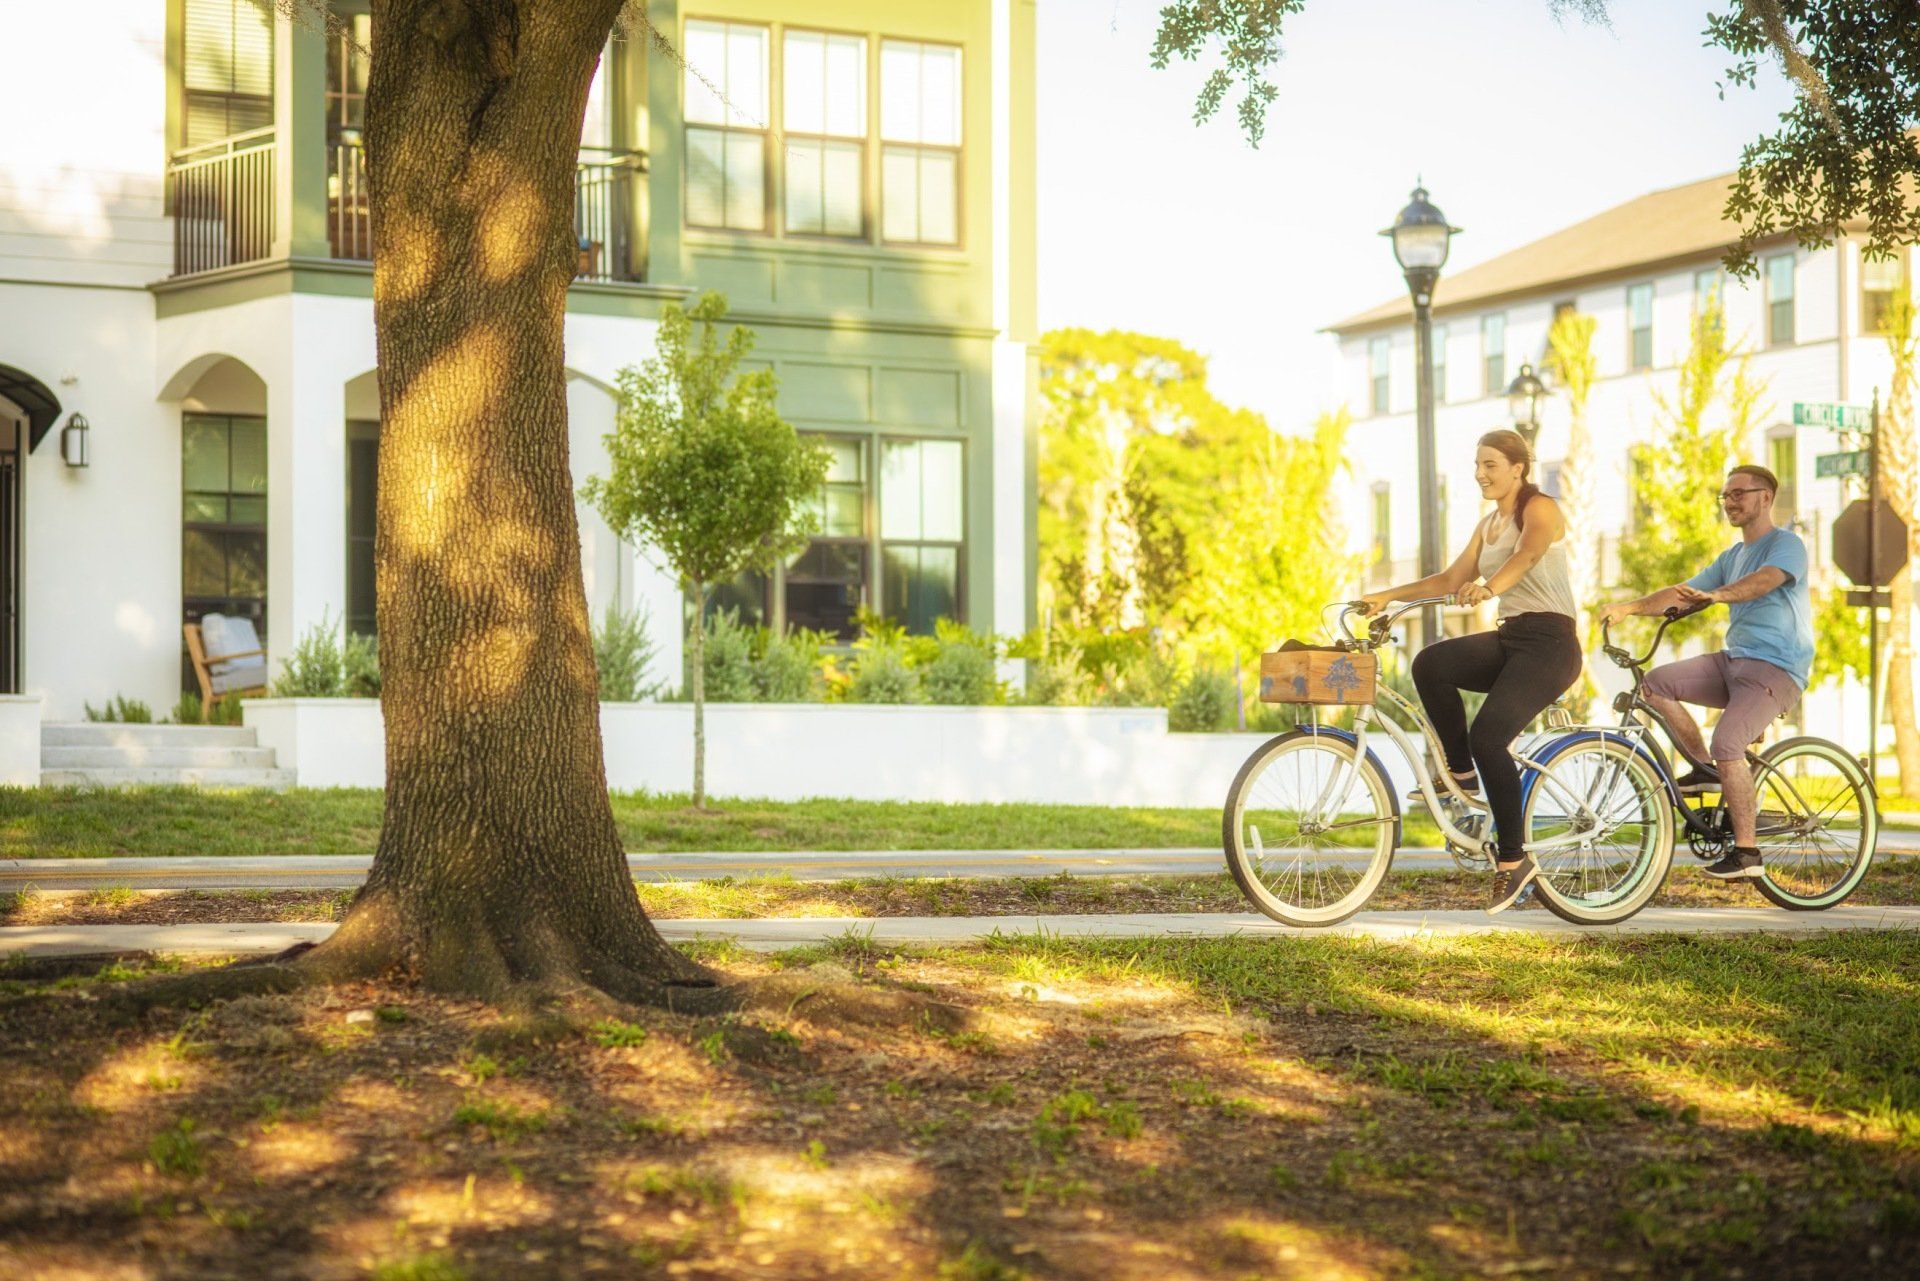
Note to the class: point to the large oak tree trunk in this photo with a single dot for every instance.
(499, 865)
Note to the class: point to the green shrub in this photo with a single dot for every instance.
(961, 672)
(881, 674)
(360, 666)
(1204, 702)
(316, 668)
(122, 709)
(621, 652)
(787, 669)
(729, 659)
(189, 711)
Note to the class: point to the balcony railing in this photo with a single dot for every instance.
(607, 214)
(221, 196)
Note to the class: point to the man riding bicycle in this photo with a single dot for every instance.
(1761, 672)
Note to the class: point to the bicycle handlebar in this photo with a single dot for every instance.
(1669, 616)
(1379, 623)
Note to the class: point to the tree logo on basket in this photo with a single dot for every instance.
(1341, 678)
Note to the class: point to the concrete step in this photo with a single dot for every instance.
(271, 779)
(110, 734)
(142, 756)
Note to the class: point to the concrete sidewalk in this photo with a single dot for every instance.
(346, 871)
(784, 932)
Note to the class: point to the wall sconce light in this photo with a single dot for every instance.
(76, 449)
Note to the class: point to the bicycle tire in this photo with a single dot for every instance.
(1576, 882)
(1243, 843)
(1849, 866)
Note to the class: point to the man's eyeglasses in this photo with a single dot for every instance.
(1729, 495)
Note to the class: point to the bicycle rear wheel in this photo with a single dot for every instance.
(1603, 787)
(1309, 828)
(1818, 823)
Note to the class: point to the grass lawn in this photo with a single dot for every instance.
(1891, 882)
(166, 821)
(1115, 1110)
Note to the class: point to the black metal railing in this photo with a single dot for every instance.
(608, 210)
(221, 197)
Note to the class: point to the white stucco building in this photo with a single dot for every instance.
(184, 267)
(1641, 270)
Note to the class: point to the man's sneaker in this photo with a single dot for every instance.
(1738, 865)
(1697, 780)
(1510, 882)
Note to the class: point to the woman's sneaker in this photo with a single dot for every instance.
(1738, 865)
(1509, 883)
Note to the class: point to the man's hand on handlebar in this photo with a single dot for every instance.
(1611, 614)
(1692, 598)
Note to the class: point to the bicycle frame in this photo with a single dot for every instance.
(1339, 781)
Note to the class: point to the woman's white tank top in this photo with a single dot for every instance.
(1547, 588)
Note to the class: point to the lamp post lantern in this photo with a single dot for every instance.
(1421, 236)
(1523, 401)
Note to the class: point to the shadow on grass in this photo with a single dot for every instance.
(1116, 1109)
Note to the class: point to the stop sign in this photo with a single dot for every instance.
(1850, 544)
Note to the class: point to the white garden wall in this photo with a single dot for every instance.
(19, 740)
(1064, 755)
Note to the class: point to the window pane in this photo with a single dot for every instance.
(843, 517)
(939, 211)
(596, 129)
(248, 511)
(1640, 303)
(825, 588)
(1780, 322)
(706, 72)
(203, 443)
(805, 72)
(363, 464)
(745, 595)
(940, 95)
(249, 456)
(1879, 273)
(921, 584)
(1780, 278)
(246, 564)
(920, 490)
(747, 76)
(803, 186)
(746, 181)
(900, 489)
(899, 194)
(899, 91)
(705, 186)
(203, 569)
(204, 509)
(841, 184)
(847, 86)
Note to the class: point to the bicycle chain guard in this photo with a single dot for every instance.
(1719, 838)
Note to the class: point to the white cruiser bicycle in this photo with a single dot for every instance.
(1312, 820)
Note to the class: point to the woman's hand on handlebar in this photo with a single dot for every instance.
(1472, 594)
(1372, 603)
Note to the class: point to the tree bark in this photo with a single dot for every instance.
(499, 866)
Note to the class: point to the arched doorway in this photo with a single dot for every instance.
(28, 410)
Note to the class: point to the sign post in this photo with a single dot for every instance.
(1854, 418)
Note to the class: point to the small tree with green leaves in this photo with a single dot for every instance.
(704, 469)
(1698, 433)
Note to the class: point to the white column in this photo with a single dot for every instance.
(1011, 449)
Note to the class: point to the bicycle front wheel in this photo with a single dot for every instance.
(1608, 795)
(1818, 823)
(1309, 828)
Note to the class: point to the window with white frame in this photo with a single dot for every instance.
(1880, 280)
(1708, 290)
(1439, 349)
(1379, 366)
(1493, 354)
(1640, 326)
(1783, 460)
(726, 113)
(1779, 300)
(824, 76)
(919, 142)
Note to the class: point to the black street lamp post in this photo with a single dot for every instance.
(1421, 235)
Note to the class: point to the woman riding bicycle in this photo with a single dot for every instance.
(1518, 554)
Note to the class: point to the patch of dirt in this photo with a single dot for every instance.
(1105, 1130)
(1892, 884)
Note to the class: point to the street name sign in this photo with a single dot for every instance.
(1831, 414)
(1851, 462)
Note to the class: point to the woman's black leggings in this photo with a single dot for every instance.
(1526, 663)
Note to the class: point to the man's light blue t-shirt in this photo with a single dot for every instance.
(1776, 628)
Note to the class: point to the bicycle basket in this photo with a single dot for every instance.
(1317, 674)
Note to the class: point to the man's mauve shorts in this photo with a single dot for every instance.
(1752, 690)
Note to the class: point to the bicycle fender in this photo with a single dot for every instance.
(1561, 744)
(1373, 758)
